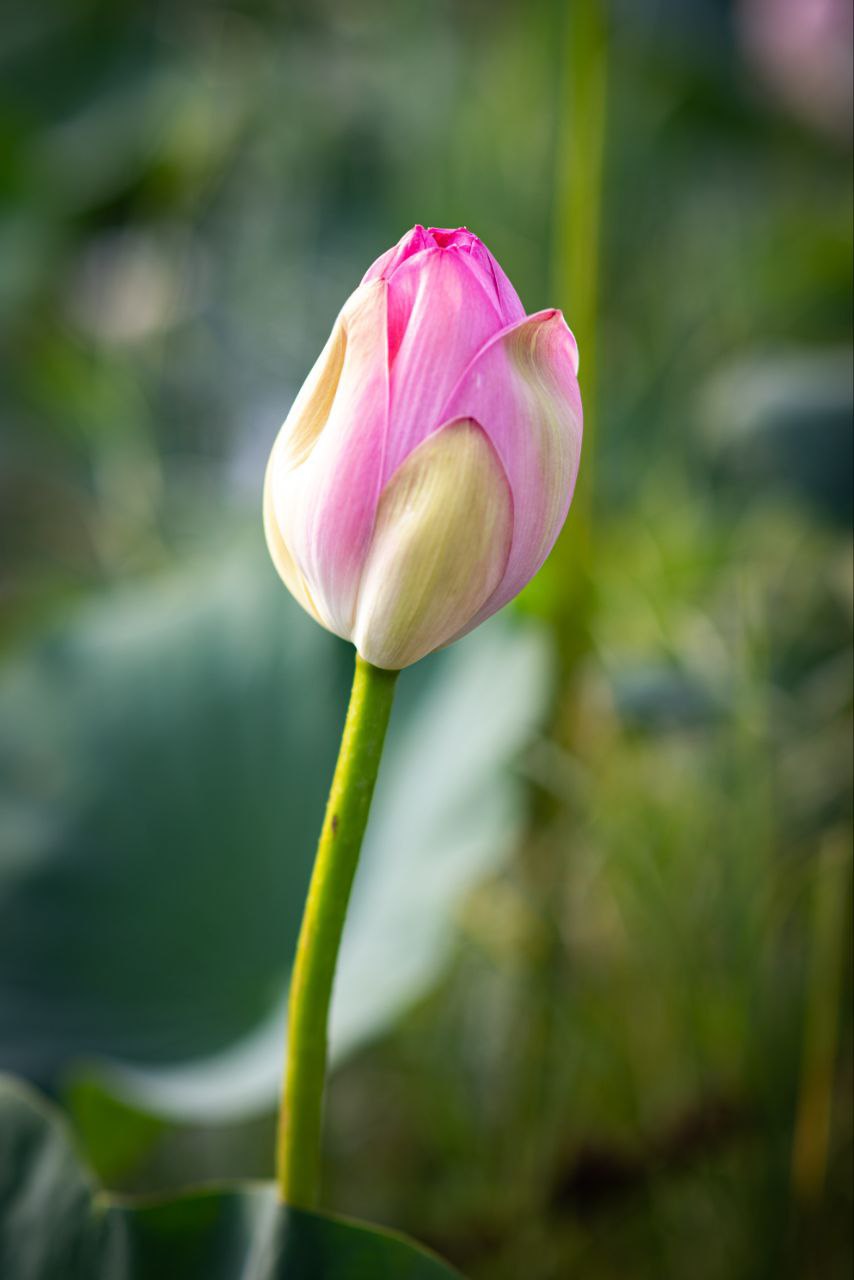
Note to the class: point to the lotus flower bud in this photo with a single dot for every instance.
(428, 462)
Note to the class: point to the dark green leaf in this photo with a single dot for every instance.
(54, 1225)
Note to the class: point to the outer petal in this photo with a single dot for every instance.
(326, 466)
(439, 316)
(439, 550)
(279, 553)
(522, 388)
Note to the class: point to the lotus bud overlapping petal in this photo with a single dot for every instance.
(428, 463)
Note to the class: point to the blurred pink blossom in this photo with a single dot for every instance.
(804, 50)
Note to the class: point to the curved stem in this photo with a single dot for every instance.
(300, 1118)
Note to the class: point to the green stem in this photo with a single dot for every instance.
(300, 1118)
(578, 222)
(578, 187)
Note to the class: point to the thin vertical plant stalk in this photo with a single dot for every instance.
(566, 581)
(576, 234)
(301, 1114)
(579, 165)
(811, 1147)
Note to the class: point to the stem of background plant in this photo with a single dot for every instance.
(301, 1115)
(565, 584)
(578, 176)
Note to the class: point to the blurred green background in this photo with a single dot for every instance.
(593, 1015)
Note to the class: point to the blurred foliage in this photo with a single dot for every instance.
(638, 1061)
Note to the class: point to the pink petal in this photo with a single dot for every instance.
(439, 317)
(522, 389)
(469, 246)
(411, 243)
(467, 242)
(325, 494)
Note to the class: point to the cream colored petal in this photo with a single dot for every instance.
(281, 556)
(310, 411)
(439, 549)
